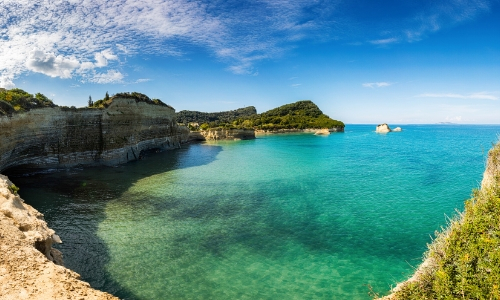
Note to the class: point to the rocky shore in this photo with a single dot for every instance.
(222, 134)
(295, 130)
(29, 267)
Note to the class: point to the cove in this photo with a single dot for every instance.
(293, 216)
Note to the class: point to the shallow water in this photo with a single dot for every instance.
(293, 216)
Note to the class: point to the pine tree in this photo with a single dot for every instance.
(91, 103)
(106, 98)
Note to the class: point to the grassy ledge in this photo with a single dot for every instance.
(463, 262)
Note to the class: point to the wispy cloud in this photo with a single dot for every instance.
(296, 85)
(479, 96)
(445, 14)
(384, 41)
(376, 84)
(141, 80)
(111, 76)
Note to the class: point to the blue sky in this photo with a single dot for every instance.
(399, 62)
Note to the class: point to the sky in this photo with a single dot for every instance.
(360, 61)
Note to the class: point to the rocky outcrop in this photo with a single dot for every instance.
(397, 129)
(383, 128)
(29, 267)
(222, 134)
(322, 132)
(65, 137)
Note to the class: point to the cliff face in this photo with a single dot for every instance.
(26, 255)
(222, 134)
(64, 137)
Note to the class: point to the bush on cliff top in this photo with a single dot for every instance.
(464, 260)
(17, 100)
(138, 97)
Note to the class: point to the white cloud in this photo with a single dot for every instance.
(49, 64)
(140, 80)
(6, 82)
(481, 96)
(377, 84)
(112, 76)
(102, 57)
(296, 85)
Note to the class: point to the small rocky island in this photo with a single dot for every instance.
(384, 128)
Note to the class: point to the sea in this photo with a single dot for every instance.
(284, 216)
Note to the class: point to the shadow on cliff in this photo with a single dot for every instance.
(73, 202)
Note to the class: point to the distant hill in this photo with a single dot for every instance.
(224, 117)
(299, 115)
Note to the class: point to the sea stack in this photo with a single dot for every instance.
(383, 128)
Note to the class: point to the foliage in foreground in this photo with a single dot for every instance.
(17, 100)
(464, 260)
(298, 115)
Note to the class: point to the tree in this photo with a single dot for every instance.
(91, 103)
(106, 98)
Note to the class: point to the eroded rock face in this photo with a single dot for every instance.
(64, 137)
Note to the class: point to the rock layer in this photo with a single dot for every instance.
(65, 137)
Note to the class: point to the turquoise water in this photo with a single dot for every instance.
(292, 216)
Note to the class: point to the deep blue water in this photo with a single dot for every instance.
(293, 216)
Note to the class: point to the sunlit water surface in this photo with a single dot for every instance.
(294, 216)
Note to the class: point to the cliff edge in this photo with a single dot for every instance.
(29, 267)
(463, 261)
(65, 137)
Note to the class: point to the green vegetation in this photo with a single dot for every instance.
(138, 97)
(13, 189)
(298, 115)
(463, 262)
(17, 100)
(216, 119)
